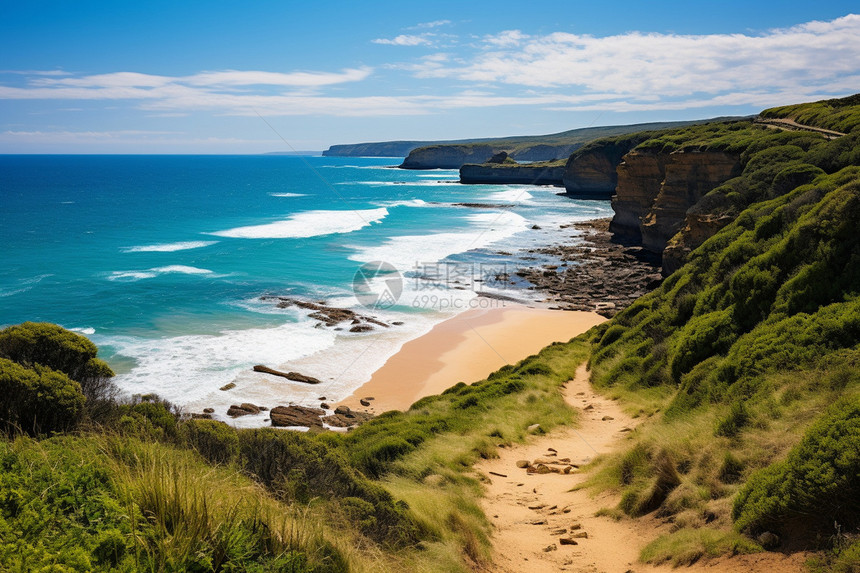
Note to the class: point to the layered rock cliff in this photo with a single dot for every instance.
(592, 173)
(446, 156)
(512, 174)
(655, 191)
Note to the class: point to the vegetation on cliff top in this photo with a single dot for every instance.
(737, 356)
(841, 114)
(746, 362)
(134, 487)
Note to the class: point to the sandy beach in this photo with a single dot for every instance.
(467, 348)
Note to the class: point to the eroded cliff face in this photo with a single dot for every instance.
(511, 174)
(592, 173)
(655, 191)
(639, 178)
(695, 230)
(452, 156)
(446, 156)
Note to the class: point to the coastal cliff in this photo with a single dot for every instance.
(539, 174)
(456, 156)
(376, 149)
(591, 173)
(446, 156)
(655, 190)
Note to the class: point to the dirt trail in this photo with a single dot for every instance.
(791, 125)
(530, 510)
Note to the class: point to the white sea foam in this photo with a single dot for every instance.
(182, 269)
(404, 203)
(131, 276)
(187, 368)
(511, 195)
(168, 247)
(288, 194)
(405, 251)
(86, 330)
(22, 285)
(342, 363)
(309, 224)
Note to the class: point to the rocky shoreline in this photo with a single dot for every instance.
(598, 274)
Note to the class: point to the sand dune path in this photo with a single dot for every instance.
(533, 512)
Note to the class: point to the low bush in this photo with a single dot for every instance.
(818, 482)
(38, 400)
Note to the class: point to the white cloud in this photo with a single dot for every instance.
(405, 40)
(559, 71)
(505, 39)
(297, 79)
(433, 24)
(809, 57)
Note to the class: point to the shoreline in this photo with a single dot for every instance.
(466, 348)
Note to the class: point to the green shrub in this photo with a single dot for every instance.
(737, 418)
(55, 347)
(215, 441)
(701, 337)
(819, 481)
(38, 400)
(731, 469)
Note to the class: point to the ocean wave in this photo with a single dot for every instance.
(511, 195)
(189, 367)
(288, 194)
(403, 203)
(131, 276)
(22, 285)
(406, 251)
(309, 224)
(85, 330)
(168, 247)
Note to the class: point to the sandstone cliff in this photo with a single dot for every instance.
(512, 174)
(655, 191)
(592, 173)
(446, 156)
(592, 170)
(455, 156)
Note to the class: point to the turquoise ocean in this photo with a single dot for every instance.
(167, 262)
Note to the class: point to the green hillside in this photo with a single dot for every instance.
(513, 144)
(744, 366)
(746, 360)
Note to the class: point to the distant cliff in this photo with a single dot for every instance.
(455, 156)
(447, 156)
(380, 149)
(523, 148)
(591, 170)
(511, 174)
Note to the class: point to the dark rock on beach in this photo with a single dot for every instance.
(242, 410)
(347, 420)
(328, 316)
(303, 416)
(599, 274)
(294, 376)
(286, 416)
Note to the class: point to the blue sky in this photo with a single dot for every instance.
(196, 77)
